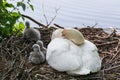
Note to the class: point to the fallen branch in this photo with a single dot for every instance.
(59, 26)
(40, 24)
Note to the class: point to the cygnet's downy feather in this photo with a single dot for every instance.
(43, 49)
(30, 33)
(36, 56)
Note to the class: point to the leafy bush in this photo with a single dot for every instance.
(18, 29)
(9, 14)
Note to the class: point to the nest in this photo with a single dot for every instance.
(14, 52)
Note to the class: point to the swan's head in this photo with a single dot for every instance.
(36, 47)
(57, 33)
(74, 35)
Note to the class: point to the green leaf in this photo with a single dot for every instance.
(18, 28)
(31, 6)
(21, 25)
(9, 18)
(9, 5)
(22, 5)
(5, 32)
(15, 14)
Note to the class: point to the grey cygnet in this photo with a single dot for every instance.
(36, 56)
(31, 33)
(43, 49)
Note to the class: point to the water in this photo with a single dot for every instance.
(77, 13)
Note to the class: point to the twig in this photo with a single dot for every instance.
(43, 76)
(115, 55)
(105, 52)
(95, 25)
(22, 64)
(21, 51)
(103, 74)
(4, 78)
(110, 35)
(29, 77)
(117, 51)
(28, 74)
(7, 73)
(113, 33)
(17, 74)
(58, 26)
(40, 24)
(105, 37)
(107, 43)
(31, 69)
(53, 17)
(7, 51)
(45, 15)
(91, 78)
(3, 57)
(111, 68)
(9, 41)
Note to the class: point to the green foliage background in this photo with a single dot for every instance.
(8, 18)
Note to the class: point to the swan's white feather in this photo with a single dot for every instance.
(62, 56)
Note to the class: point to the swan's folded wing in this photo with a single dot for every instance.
(60, 55)
(91, 58)
(64, 62)
(55, 45)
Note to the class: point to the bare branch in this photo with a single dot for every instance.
(40, 24)
(95, 25)
(56, 11)
(58, 26)
(44, 15)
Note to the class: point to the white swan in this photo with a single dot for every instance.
(91, 61)
(36, 56)
(31, 33)
(74, 35)
(64, 55)
(57, 33)
(61, 55)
